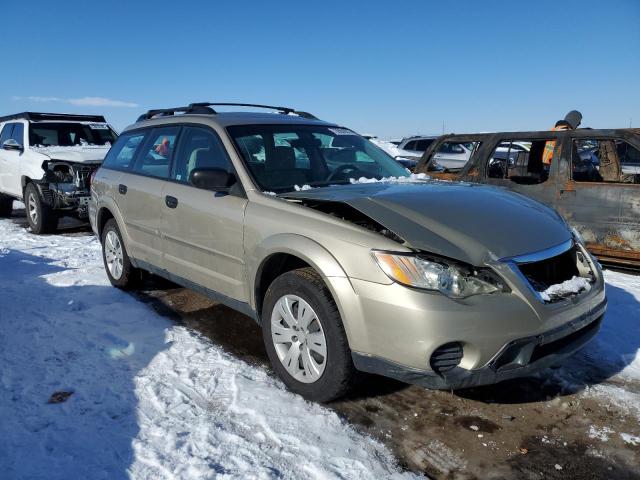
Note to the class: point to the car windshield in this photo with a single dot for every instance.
(281, 157)
(68, 134)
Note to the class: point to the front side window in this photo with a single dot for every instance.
(18, 133)
(154, 157)
(279, 157)
(608, 160)
(121, 155)
(70, 134)
(199, 148)
(6, 132)
(521, 161)
(410, 146)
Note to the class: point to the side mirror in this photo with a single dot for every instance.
(214, 179)
(11, 144)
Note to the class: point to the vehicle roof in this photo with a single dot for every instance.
(39, 116)
(541, 134)
(226, 119)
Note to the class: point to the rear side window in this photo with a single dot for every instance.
(608, 160)
(199, 148)
(121, 155)
(154, 158)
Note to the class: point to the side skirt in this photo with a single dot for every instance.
(241, 307)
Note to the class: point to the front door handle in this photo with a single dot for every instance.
(122, 189)
(172, 202)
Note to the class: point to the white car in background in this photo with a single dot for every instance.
(46, 161)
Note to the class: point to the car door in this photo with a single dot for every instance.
(12, 141)
(139, 193)
(452, 155)
(202, 230)
(599, 195)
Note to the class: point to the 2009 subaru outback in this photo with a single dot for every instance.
(347, 262)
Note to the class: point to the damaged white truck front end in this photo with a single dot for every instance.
(66, 180)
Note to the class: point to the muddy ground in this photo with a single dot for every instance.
(524, 429)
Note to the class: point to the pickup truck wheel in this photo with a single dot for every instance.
(305, 338)
(41, 217)
(6, 205)
(121, 272)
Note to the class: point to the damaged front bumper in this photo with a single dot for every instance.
(65, 187)
(519, 358)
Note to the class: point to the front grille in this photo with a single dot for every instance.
(446, 357)
(82, 173)
(551, 271)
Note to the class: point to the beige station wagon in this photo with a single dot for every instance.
(347, 261)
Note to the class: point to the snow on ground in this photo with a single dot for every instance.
(150, 399)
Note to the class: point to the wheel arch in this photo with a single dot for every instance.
(285, 252)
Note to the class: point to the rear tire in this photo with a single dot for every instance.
(6, 205)
(309, 349)
(41, 217)
(122, 274)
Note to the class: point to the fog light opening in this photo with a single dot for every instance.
(446, 357)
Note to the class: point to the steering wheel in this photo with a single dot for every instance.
(347, 167)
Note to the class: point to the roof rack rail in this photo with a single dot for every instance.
(205, 108)
(36, 116)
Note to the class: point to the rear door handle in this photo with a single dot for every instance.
(122, 189)
(172, 202)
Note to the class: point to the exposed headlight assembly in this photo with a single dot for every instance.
(453, 279)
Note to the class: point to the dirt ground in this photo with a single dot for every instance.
(523, 429)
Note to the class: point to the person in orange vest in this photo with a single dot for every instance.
(571, 121)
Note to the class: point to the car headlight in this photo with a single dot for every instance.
(452, 279)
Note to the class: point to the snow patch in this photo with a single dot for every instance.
(411, 178)
(630, 439)
(393, 150)
(568, 287)
(151, 399)
(601, 434)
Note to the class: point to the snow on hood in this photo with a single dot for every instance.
(412, 178)
(469, 222)
(77, 153)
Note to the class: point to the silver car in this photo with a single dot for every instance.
(348, 263)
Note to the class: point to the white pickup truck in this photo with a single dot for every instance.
(46, 160)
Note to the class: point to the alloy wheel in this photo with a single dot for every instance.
(298, 338)
(33, 209)
(113, 254)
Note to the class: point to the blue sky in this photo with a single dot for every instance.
(390, 68)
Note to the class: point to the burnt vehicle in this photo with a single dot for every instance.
(46, 160)
(593, 180)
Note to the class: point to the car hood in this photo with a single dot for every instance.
(468, 222)
(77, 154)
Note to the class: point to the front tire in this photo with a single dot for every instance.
(305, 338)
(41, 217)
(6, 205)
(122, 274)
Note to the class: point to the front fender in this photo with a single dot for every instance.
(323, 262)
